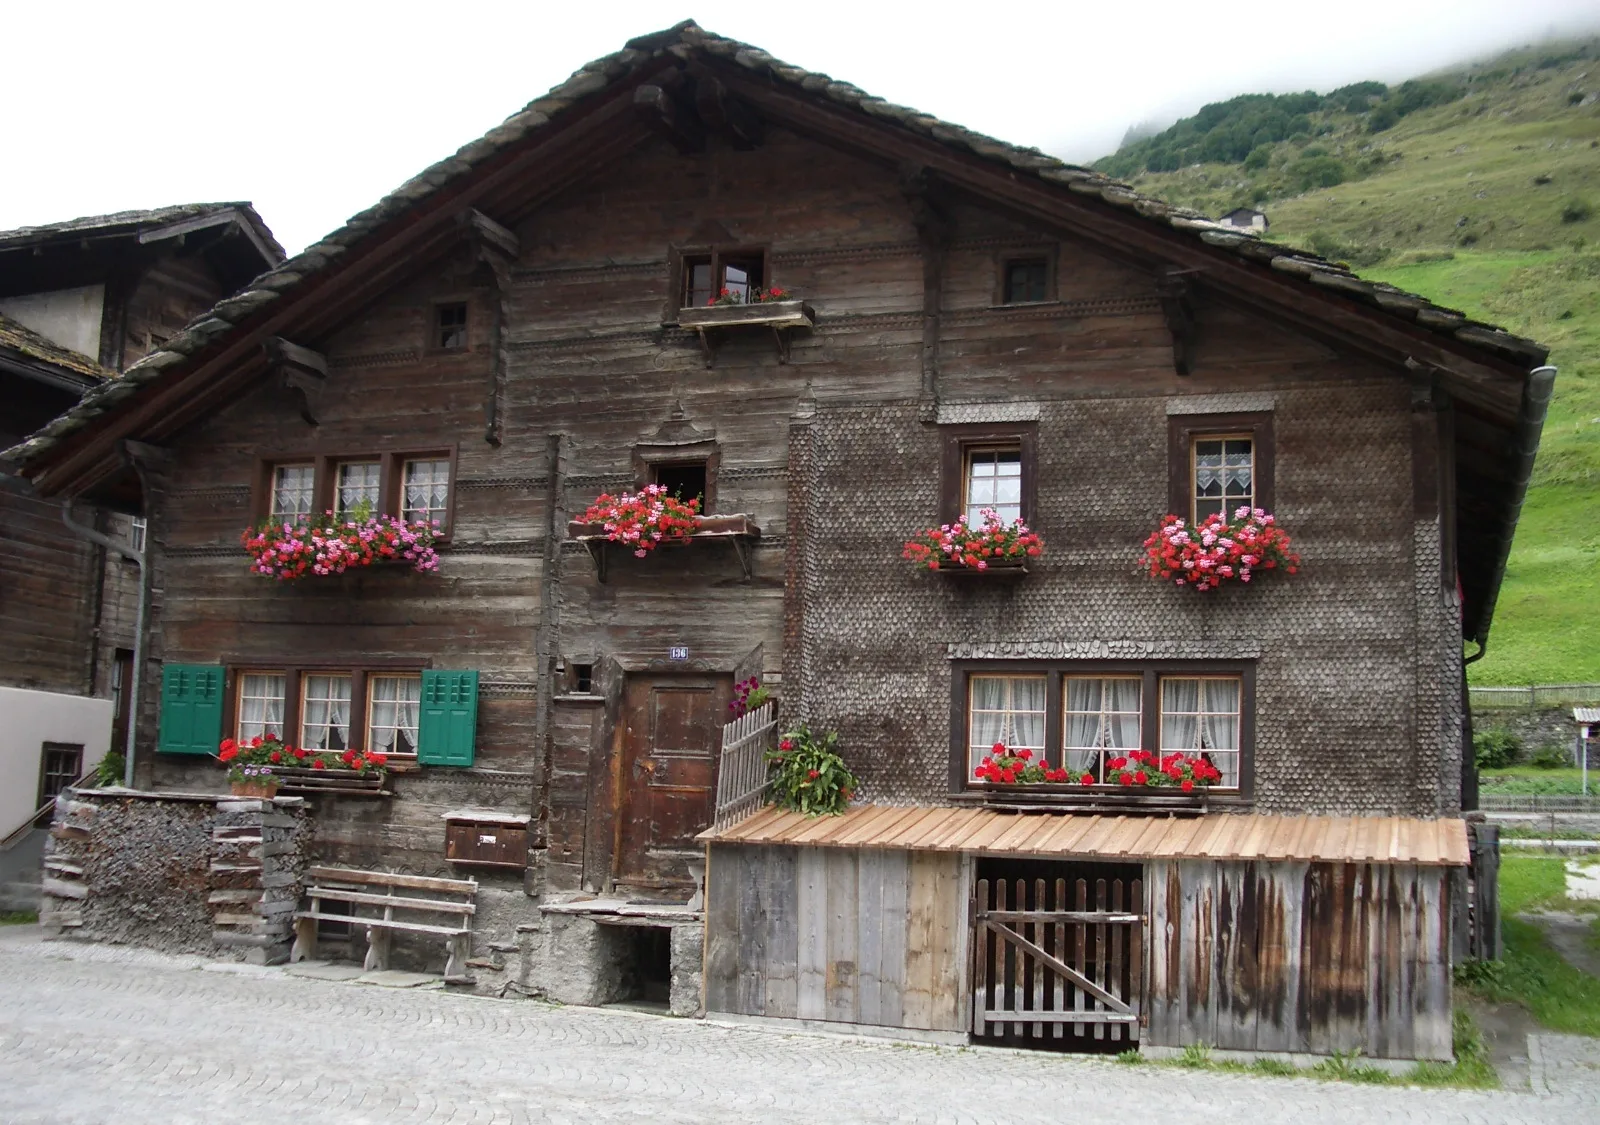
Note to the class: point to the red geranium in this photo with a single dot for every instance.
(959, 544)
(1003, 766)
(644, 519)
(1218, 550)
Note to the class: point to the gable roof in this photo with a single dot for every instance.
(150, 225)
(27, 349)
(219, 350)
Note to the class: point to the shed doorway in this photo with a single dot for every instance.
(1058, 954)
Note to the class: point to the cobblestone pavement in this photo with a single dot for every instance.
(97, 1034)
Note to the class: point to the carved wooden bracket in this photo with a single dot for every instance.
(301, 372)
(1173, 291)
(498, 248)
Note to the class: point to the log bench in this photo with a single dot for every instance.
(410, 904)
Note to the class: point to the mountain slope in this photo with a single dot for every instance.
(1487, 200)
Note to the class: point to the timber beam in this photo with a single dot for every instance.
(497, 247)
(1173, 291)
(667, 117)
(725, 113)
(300, 371)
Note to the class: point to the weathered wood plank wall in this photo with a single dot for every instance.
(1300, 957)
(860, 937)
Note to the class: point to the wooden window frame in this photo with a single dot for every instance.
(433, 347)
(1002, 265)
(678, 260)
(1182, 432)
(46, 748)
(294, 672)
(648, 458)
(1150, 672)
(958, 440)
(391, 479)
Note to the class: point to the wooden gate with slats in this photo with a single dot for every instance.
(1058, 960)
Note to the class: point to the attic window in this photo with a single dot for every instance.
(684, 479)
(1027, 281)
(707, 274)
(450, 326)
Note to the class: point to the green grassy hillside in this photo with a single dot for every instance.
(1486, 200)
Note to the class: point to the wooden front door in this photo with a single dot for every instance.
(671, 731)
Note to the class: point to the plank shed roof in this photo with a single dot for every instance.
(23, 345)
(1216, 836)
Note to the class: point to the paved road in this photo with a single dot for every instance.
(96, 1034)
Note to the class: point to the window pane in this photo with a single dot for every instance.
(1007, 709)
(1026, 281)
(1201, 717)
(358, 485)
(427, 487)
(325, 712)
(1224, 475)
(993, 480)
(260, 705)
(392, 714)
(291, 491)
(1101, 715)
(451, 329)
(697, 282)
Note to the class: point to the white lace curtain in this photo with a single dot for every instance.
(1008, 709)
(393, 721)
(1202, 717)
(260, 706)
(1101, 715)
(327, 713)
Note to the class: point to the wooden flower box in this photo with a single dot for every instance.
(350, 783)
(1004, 568)
(740, 531)
(778, 317)
(1064, 797)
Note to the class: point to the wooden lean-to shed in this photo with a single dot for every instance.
(1256, 933)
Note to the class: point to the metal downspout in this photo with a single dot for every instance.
(127, 552)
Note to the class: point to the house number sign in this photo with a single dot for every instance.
(678, 652)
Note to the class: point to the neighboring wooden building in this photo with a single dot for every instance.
(1246, 218)
(79, 302)
(510, 334)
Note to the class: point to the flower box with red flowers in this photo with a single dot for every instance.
(779, 310)
(1172, 781)
(643, 521)
(993, 547)
(1218, 549)
(335, 544)
(298, 770)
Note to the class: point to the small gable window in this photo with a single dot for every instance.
(685, 480)
(1026, 281)
(707, 275)
(450, 326)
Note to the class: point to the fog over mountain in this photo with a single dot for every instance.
(314, 110)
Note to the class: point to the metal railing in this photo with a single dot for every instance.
(1537, 803)
(1533, 696)
(742, 775)
(16, 834)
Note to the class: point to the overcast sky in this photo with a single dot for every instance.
(314, 110)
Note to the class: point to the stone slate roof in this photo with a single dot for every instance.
(21, 339)
(685, 41)
(131, 222)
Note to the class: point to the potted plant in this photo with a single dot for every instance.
(961, 547)
(640, 521)
(748, 696)
(250, 767)
(334, 544)
(808, 774)
(1218, 550)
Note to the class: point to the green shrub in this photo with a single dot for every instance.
(1316, 171)
(1576, 211)
(1381, 118)
(110, 769)
(808, 774)
(1495, 749)
(1551, 757)
(1259, 158)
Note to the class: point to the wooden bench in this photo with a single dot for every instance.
(370, 891)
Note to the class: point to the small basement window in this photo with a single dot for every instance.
(1027, 281)
(685, 480)
(450, 326)
(583, 679)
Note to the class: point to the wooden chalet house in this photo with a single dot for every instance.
(81, 301)
(523, 327)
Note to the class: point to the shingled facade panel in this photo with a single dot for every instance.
(1353, 711)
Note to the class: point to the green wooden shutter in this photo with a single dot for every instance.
(191, 708)
(448, 726)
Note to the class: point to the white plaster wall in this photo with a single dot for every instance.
(70, 317)
(29, 719)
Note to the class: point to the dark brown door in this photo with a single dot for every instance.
(672, 729)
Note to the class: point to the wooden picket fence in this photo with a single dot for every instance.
(742, 773)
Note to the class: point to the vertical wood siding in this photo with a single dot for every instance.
(862, 937)
(1306, 957)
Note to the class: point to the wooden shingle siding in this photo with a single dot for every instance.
(860, 937)
(1300, 957)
